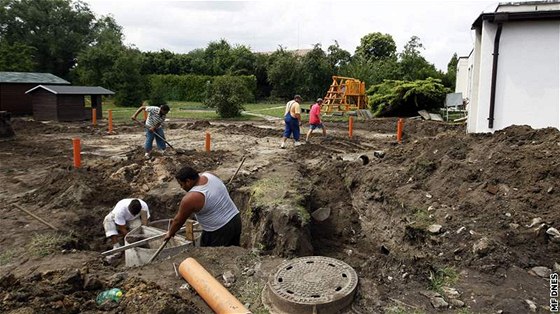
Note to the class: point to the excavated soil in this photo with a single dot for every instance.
(462, 215)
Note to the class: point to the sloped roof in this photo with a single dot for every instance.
(73, 90)
(31, 77)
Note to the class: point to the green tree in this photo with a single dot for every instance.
(451, 75)
(399, 98)
(227, 95)
(218, 57)
(376, 46)
(57, 30)
(337, 57)
(264, 88)
(284, 74)
(316, 73)
(372, 72)
(413, 66)
(243, 61)
(129, 85)
(17, 57)
(198, 61)
(96, 62)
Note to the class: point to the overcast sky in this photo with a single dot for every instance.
(181, 26)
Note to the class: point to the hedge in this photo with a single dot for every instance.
(191, 87)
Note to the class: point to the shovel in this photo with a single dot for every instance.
(178, 151)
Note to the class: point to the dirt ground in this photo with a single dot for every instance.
(444, 222)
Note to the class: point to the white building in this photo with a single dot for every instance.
(515, 76)
(464, 76)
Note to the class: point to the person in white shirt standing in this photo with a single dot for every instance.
(129, 213)
(208, 198)
(154, 126)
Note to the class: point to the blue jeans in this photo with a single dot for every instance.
(150, 139)
(291, 127)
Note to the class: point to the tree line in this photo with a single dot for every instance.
(65, 38)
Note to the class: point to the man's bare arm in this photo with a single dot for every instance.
(138, 112)
(191, 203)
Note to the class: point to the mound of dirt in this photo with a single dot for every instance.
(444, 209)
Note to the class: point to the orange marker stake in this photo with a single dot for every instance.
(77, 157)
(110, 113)
(94, 116)
(207, 142)
(350, 126)
(400, 124)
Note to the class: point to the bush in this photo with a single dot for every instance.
(405, 99)
(156, 97)
(227, 94)
(191, 87)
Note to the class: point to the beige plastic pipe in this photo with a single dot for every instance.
(216, 296)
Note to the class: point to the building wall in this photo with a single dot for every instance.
(462, 79)
(44, 105)
(528, 77)
(71, 108)
(14, 99)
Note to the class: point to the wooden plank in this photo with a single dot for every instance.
(36, 217)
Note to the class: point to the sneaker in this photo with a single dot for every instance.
(283, 145)
(297, 143)
(147, 155)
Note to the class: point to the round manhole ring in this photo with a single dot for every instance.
(305, 283)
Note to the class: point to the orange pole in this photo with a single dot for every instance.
(77, 157)
(399, 130)
(207, 142)
(94, 116)
(212, 292)
(110, 121)
(350, 126)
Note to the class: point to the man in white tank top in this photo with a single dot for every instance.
(208, 199)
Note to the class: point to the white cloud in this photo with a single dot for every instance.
(181, 26)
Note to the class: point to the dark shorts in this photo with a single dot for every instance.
(316, 126)
(228, 235)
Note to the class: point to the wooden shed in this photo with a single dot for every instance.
(66, 103)
(13, 86)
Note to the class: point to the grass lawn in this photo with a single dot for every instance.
(197, 111)
(179, 109)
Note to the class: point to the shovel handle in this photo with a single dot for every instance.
(159, 136)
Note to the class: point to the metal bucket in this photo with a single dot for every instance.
(141, 255)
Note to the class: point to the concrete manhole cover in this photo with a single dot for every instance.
(313, 284)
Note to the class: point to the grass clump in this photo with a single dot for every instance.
(46, 244)
(6, 257)
(443, 277)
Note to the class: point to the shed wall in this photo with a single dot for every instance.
(44, 105)
(14, 99)
(71, 108)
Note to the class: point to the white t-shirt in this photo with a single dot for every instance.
(121, 214)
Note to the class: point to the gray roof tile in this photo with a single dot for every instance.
(30, 77)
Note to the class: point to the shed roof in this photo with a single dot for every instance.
(31, 77)
(73, 90)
